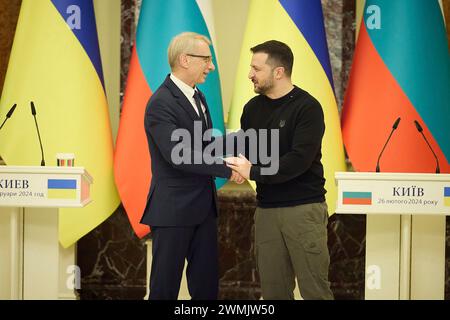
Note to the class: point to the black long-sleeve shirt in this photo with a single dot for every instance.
(300, 120)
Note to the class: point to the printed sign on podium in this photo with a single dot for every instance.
(35, 265)
(44, 186)
(393, 193)
(405, 234)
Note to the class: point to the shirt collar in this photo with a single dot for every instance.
(187, 90)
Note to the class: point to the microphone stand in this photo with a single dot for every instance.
(389, 138)
(33, 112)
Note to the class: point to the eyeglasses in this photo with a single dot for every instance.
(206, 59)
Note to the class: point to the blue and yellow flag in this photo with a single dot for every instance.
(447, 196)
(300, 25)
(55, 62)
(62, 188)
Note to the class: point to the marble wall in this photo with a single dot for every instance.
(129, 22)
(9, 13)
(339, 17)
(112, 261)
(446, 9)
(238, 276)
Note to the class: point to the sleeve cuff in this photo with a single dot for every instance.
(255, 173)
(228, 172)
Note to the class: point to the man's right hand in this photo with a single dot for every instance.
(236, 177)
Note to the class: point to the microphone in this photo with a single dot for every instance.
(389, 138)
(419, 128)
(33, 112)
(9, 114)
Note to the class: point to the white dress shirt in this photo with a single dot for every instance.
(188, 91)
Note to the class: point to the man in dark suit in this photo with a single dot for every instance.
(182, 207)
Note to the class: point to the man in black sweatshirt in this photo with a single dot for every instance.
(291, 216)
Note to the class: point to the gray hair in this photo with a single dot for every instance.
(183, 43)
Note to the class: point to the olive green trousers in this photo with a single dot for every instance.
(291, 243)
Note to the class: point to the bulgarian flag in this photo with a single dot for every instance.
(159, 22)
(401, 68)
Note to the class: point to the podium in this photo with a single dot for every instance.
(33, 263)
(405, 235)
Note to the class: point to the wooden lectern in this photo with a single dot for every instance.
(405, 236)
(33, 263)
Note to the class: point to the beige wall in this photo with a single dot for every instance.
(446, 9)
(229, 38)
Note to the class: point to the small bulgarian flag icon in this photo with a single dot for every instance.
(357, 198)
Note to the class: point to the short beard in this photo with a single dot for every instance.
(266, 87)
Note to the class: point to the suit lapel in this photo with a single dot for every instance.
(187, 106)
(181, 98)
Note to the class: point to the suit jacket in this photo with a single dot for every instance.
(180, 194)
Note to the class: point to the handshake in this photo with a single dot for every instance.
(241, 168)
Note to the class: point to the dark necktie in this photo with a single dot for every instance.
(198, 103)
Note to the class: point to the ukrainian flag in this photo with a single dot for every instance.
(300, 25)
(55, 62)
(62, 189)
(447, 196)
